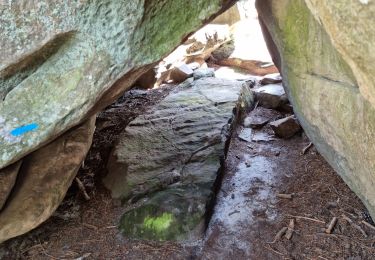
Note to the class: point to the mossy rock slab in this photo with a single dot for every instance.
(173, 214)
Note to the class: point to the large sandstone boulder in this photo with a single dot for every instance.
(175, 150)
(59, 60)
(326, 55)
(43, 179)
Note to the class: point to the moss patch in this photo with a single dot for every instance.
(160, 223)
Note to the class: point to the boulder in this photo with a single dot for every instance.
(203, 73)
(273, 78)
(176, 74)
(44, 178)
(171, 214)
(8, 178)
(230, 16)
(259, 117)
(326, 56)
(175, 148)
(62, 61)
(270, 96)
(147, 80)
(224, 51)
(285, 127)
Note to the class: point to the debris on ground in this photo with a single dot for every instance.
(286, 127)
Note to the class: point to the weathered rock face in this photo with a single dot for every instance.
(8, 178)
(60, 59)
(177, 148)
(42, 181)
(325, 54)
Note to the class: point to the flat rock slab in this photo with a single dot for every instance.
(169, 214)
(259, 117)
(180, 142)
(271, 95)
(250, 135)
(273, 78)
(286, 127)
(204, 73)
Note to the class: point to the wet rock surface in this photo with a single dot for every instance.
(268, 183)
(183, 139)
(248, 211)
(259, 117)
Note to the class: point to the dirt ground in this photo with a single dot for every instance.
(247, 216)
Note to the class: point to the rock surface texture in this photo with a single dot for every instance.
(43, 179)
(59, 60)
(175, 150)
(325, 54)
(60, 63)
(286, 127)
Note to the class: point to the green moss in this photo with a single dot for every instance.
(296, 28)
(158, 224)
(171, 214)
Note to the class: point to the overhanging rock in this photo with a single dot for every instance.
(59, 60)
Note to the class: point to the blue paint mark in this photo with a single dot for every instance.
(24, 129)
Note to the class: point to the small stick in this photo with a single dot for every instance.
(82, 188)
(306, 218)
(355, 225)
(304, 150)
(289, 232)
(256, 105)
(273, 250)
(368, 224)
(331, 225)
(279, 235)
(90, 226)
(284, 196)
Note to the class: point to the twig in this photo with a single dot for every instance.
(304, 150)
(273, 250)
(306, 165)
(289, 232)
(279, 235)
(306, 218)
(82, 188)
(368, 224)
(90, 226)
(256, 105)
(31, 248)
(354, 225)
(284, 196)
(331, 225)
(83, 257)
